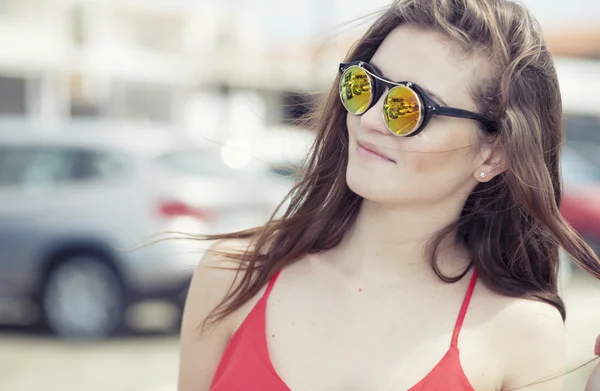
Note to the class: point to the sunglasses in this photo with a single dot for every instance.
(407, 108)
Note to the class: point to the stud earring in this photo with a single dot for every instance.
(482, 175)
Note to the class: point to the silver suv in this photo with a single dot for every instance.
(71, 199)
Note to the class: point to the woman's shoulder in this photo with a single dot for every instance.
(217, 274)
(529, 336)
(514, 313)
(222, 253)
(219, 264)
(219, 268)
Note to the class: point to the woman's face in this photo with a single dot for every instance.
(444, 159)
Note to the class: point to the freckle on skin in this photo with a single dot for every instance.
(273, 336)
(360, 289)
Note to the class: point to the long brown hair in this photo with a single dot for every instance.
(511, 226)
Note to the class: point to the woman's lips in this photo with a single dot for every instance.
(372, 152)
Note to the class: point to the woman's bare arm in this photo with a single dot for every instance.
(201, 349)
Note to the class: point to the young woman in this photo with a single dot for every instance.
(427, 224)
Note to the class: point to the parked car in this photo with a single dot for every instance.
(74, 201)
(581, 196)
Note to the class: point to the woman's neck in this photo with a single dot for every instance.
(393, 241)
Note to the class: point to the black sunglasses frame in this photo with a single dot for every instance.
(429, 106)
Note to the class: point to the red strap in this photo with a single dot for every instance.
(463, 310)
(271, 285)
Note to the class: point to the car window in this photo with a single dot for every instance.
(35, 167)
(96, 165)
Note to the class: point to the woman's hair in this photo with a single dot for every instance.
(511, 226)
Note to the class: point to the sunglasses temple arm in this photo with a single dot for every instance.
(459, 113)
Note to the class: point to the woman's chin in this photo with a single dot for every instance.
(371, 189)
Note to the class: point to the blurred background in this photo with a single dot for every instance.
(122, 119)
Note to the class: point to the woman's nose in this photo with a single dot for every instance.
(372, 119)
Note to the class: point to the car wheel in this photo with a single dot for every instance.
(83, 298)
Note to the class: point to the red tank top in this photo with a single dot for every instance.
(246, 365)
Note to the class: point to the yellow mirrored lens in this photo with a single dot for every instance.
(401, 111)
(355, 90)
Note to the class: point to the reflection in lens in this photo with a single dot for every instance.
(401, 111)
(355, 90)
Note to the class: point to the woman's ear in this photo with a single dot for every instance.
(493, 160)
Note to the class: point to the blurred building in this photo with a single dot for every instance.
(578, 41)
(34, 53)
(175, 62)
(211, 69)
(124, 59)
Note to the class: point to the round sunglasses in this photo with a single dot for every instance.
(407, 108)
